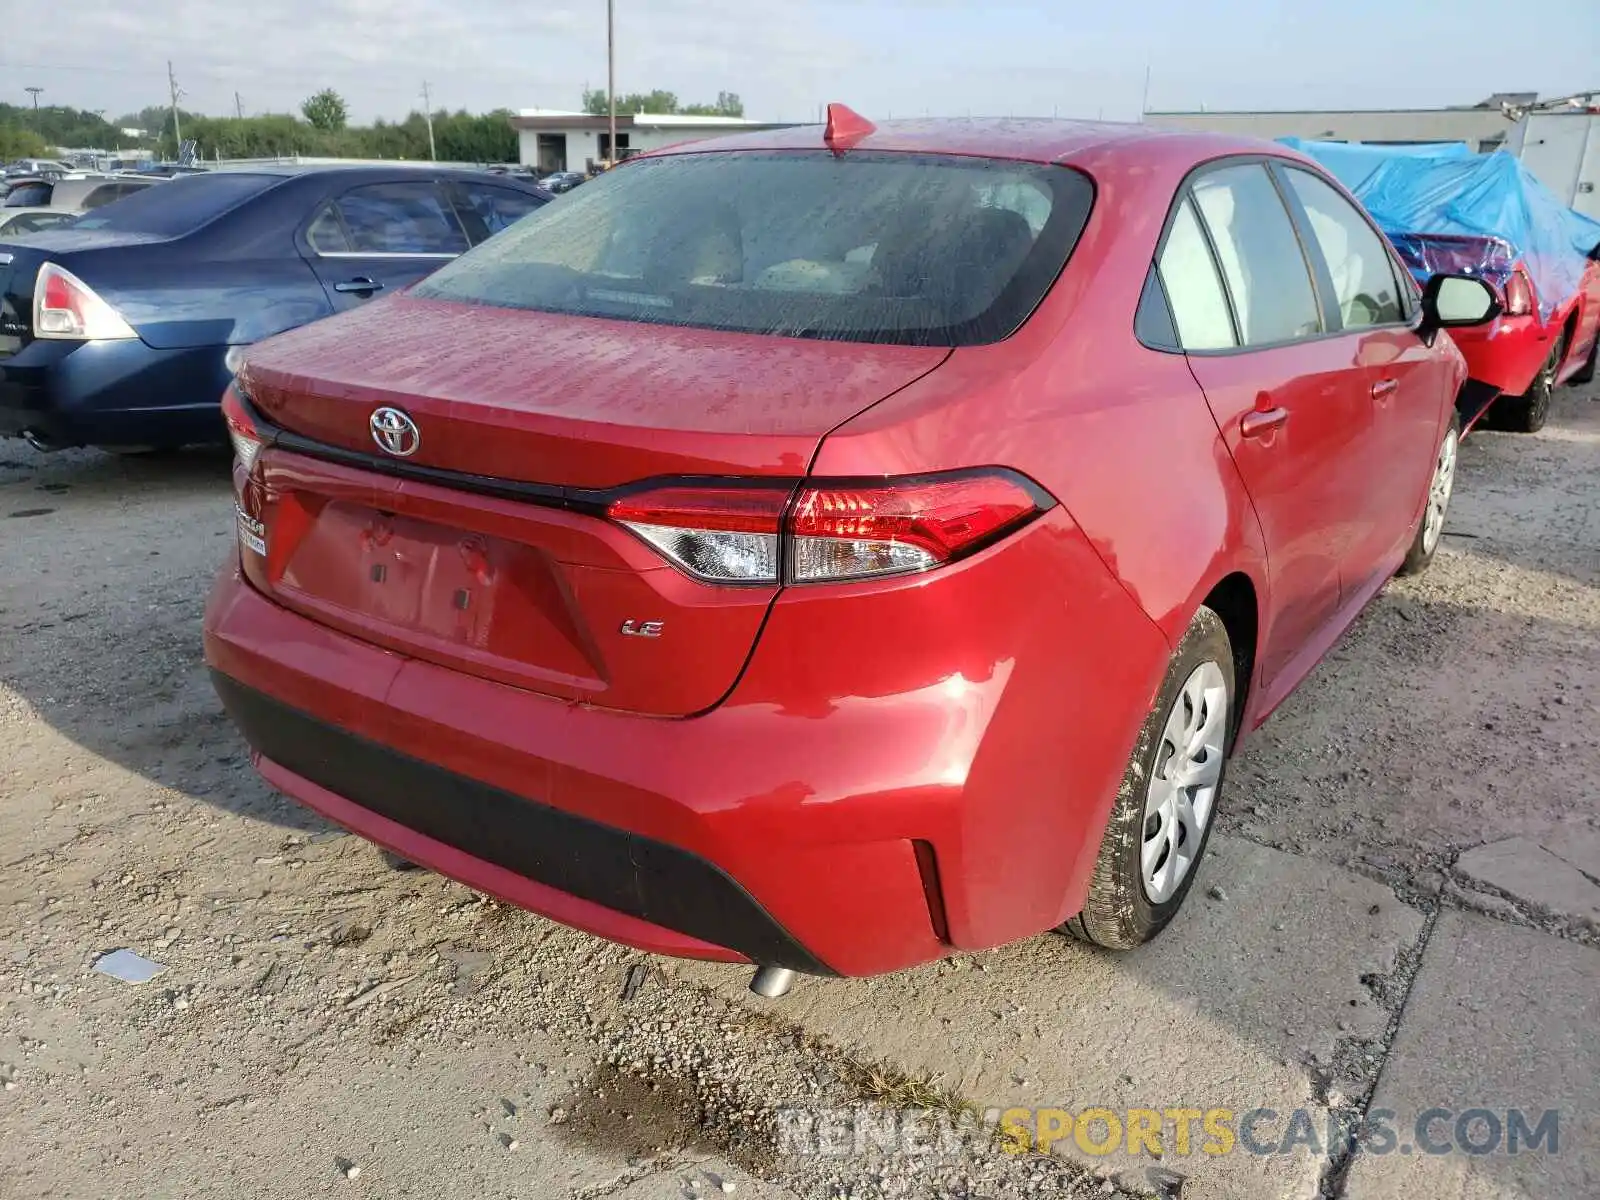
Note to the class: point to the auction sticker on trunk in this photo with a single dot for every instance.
(252, 533)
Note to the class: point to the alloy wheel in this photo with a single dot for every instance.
(1182, 791)
(1444, 481)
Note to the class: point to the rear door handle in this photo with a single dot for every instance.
(360, 285)
(1262, 422)
(1384, 388)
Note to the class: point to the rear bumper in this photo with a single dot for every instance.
(113, 393)
(884, 784)
(585, 873)
(1506, 354)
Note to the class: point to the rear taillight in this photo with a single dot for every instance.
(247, 484)
(1519, 294)
(64, 307)
(851, 531)
(829, 530)
(725, 534)
(241, 429)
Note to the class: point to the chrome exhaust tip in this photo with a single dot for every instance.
(37, 440)
(772, 982)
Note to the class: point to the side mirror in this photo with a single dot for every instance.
(1456, 301)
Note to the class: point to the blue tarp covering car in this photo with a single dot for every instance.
(1450, 190)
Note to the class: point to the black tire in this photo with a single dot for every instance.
(1585, 373)
(1118, 913)
(395, 863)
(1420, 555)
(1528, 412)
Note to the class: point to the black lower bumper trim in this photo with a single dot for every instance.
(654, 881)
(1474, 399)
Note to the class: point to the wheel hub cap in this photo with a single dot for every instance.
(1183, 787)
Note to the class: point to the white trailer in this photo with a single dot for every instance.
(1562, 149)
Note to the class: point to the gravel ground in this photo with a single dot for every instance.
(326, 1023)
(1460, 709)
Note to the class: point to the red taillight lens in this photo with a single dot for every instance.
(844, 531)
(66, 307)
(835, 529)
(719, 533)
(241, 429)
(247, 443)
(1519, 294)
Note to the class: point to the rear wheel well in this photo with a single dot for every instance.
(1234, 601)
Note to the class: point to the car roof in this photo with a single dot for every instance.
(1025, 139)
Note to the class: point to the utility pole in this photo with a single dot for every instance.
(611, 76)
(34, 92)
(238, 106)
(427, 113)
(177, 129)
(1144, 104)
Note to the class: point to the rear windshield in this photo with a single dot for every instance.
(925, 250)
(32, 194)
(177, 207)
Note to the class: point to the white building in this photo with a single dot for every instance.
(1482, 126)
(554, 140)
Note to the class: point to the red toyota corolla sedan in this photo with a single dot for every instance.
(834, 548)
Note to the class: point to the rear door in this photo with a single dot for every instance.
(1408, 383)
(1289, 401)
(381, 237)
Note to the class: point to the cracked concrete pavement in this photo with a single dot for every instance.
(1400, 914)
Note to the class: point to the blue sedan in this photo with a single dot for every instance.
(123, 329)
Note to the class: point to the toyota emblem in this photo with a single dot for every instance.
(395, 432)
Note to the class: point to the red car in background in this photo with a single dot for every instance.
(831, 549)
(1518, 359)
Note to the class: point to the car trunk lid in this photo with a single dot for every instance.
(486, 548)
(596, 403)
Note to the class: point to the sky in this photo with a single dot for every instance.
(786, 57)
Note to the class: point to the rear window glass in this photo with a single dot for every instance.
(919, 249)
(29, 195)
(178, 206)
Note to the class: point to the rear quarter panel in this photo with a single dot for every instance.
(1506, 353)
(1120, 434)
(233, 281)
(176, 298)
(1123, 438)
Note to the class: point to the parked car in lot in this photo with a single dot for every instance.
(72, 195)
(829, 550)
(14, 222)
(1517, 362)
(1450, 210)
(43, 167)
(120, 330)
(563, 181)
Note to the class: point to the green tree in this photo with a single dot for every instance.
(326, 110)
(658, 101)
(461, 136)
(58, 125)
(464, 137)
(728, 105)
(21, 143)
